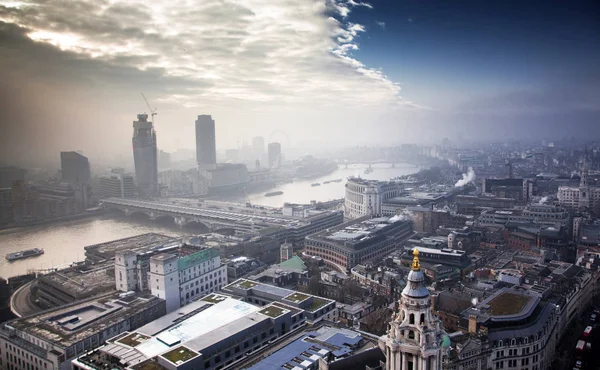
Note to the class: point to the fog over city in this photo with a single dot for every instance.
(338, 72)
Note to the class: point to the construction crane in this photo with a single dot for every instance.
(152, 112)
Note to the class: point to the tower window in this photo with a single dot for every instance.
(422, 318)
(411, 318)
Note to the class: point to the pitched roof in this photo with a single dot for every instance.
(294, 263)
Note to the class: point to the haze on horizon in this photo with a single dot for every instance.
(329, 73)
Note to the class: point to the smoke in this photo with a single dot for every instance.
(403, 216)
(543, 200)
(466, 178)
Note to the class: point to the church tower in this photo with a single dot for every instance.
(415, 339)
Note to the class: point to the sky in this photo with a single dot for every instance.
(309, 73)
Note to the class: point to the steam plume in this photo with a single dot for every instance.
(466, 178)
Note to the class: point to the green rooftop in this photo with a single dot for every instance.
(133, 339)
(507, 304)
(294, 263)
(296, 297)
(273, 311)
(317, 303)
(182, 354)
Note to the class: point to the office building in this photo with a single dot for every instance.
(145, 156)
(11, 174)
(116, 185)
(226, 177)
(206, 147)
(274, 154)
(178, 273)
(75, 168)
(211, 333)
(365, 197)
(6, 206)
(51, 339)
(164, 160)
(518, 189)
(366, 239)
(315, 308)
(258, 147)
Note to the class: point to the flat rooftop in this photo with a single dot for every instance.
(355, 232)
(184, 333)
(138, 244)
(307, 350)
(68, 325)
(507, 304)
(83, 280)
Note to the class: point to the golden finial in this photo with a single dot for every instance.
(416, 266)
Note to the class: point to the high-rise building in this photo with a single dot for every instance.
(75, 168)
(164, 159)
(258, 147)
(274, 155)
(145, 156)
(206, 147)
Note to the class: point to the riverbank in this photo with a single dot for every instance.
(13, 228)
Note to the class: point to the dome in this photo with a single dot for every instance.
(415, 285)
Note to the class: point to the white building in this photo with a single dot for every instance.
(415, 339)
(179, 276)
(365, 197)
(581, 198)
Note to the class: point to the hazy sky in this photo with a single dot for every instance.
(324, 72)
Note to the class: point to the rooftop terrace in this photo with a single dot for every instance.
(507, 304)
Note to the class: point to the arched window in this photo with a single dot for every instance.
(411, 334)
(422, 319)
(411, 318)
(187, 295)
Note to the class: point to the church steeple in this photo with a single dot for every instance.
(414, 339)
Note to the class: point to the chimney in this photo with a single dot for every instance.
(472, 324)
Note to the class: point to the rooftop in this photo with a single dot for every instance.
(359, 230)
(307, 349)
(507, 304)
(83, 280)
(140, 243)
(70, 324)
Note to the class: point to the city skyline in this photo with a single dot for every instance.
(332, 71)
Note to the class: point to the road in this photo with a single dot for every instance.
(20, 304)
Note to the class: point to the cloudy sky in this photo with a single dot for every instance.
(323, 72)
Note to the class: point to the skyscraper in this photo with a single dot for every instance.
(75, 168)
(206, 148)
(258, 147)
(274, 155)
(145, 156)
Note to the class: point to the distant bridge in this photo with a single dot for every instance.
(182, 215)
(392, 163)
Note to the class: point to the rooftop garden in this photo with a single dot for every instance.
(133, 339)
(273, 311)
(296, 297)
(243, 284)
(179, 354)
(148, 365)
(317, 303)
(507, 304)
(213, 298)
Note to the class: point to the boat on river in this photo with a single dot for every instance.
(273, 193)
(316, 184)
(24, 254)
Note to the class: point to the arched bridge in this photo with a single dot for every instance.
(213, 219)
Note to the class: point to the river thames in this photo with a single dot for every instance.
(64, 243)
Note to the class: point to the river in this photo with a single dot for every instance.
(64, 243)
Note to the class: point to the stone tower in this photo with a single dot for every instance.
(584, 196)
(415, 339)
